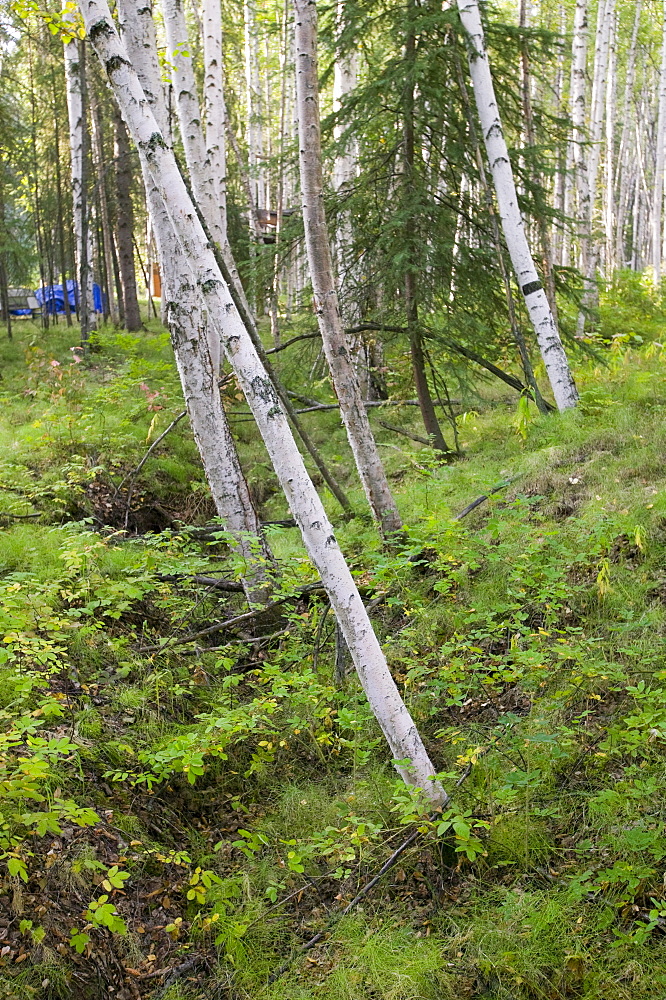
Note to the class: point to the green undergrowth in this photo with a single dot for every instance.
(164, 800)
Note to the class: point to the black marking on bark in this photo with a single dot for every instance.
(530, 287)
(209, 285)
(101, 27)
(155, 142)
(274, 411)
(330, 540)
(115, 62)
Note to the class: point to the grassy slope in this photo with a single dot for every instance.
(528, 641)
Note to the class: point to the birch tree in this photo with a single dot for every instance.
(578, 156)
(623, 186)
(536, 301)
(215, 107)
(195, 345)
(407, 748)
(658, 198)
(327, 307)
(74, 70)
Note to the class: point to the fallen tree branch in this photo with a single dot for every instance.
(309, 588)
(486, 496)
(388, 864)
(135, 472)
(407, 434)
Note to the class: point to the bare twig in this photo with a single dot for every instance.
(407, 434)
(486, 496)
(294, 340)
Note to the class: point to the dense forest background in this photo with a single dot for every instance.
(332, 500)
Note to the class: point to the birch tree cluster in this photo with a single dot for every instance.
(442, 188)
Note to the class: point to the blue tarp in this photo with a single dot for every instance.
(54, 297)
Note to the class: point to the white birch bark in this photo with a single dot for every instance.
(215, 107)
(197, 364)
(605, 24)
(336, 346)
(255, 141)
(609, 202)
(75, 114)
(536, 301)
(623, 183)
(406, 745)
(658, 198)
(345, 171)
(199, 165)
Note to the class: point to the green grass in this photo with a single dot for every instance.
(528, 640)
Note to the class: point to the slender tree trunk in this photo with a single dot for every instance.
(75, 79)
(605, 21)
(200, 166)
(536, 301)
(530, 135)
(4, 279)
(191, 336)
(255, 136)
(517, 333)
(609, 202)
(215, 108)
(336, 347)
(426, 404)
(278, 265)
(103, 202)
(623, 184)
(389, 709)
(657, 204)
(59, 203)
(125, 224)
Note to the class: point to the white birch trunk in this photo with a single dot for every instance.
(658, 199)
(550, 345)
(255, 142)
(197, 364)
(623, 183)
(608, 192)
(199, 165)
(336, 346)
(605, 23)
(345, 171)
(389, 709)
(75, 113)
(215, 107)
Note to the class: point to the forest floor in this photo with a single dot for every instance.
(181, 813)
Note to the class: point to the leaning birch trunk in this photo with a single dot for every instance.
(201, 159)
(405, 743)
(199, 163)
(196, 363)
(548, 339)
(657, 204)
(336, 346)
(75, 112)
(215, 107)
